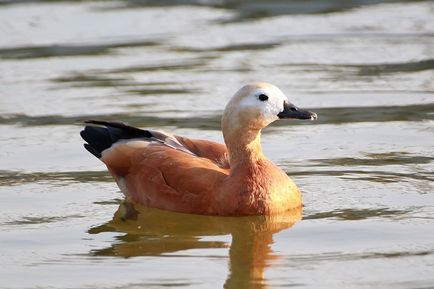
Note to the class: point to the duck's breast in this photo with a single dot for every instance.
(257, 189)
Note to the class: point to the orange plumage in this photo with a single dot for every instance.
(202, 177)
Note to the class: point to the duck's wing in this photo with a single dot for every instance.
(102, 135)
(154, 168)
(201, 148)
(161, 177)
(216, 152)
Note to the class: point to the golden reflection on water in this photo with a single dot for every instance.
(153, 232)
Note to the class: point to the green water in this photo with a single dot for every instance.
(365, 167)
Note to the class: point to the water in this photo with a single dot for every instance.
(365, 166)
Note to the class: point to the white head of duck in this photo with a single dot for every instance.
(251, 109)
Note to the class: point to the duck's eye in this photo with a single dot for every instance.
(263, 97)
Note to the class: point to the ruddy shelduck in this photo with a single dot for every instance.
(180, 174)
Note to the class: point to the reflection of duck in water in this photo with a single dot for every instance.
(153, 232)
(198, 176)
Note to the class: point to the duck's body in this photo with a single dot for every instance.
(202, 177)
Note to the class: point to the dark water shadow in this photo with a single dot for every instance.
(62, 50)
(369, 175)
(247, 10)
(40, 220)
(125, 85)
(233, 47)
(99, 80)
(358, 70)
(184, 65)
(415, 66)
(11, 178)
(244, 10)
(152, 232)
(92, 80)
(198, 122)
(372, 168)
(258, 9)
(374, 159)
(332, 115)
(116, 77)
(347, 256)
(357, 214)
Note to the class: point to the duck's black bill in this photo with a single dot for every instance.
(291, 111)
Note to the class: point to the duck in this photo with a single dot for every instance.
(194, 176)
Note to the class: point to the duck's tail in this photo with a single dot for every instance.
(101, 135)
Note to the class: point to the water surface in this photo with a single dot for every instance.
(365, 167)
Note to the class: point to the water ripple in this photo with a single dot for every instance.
(341, 256)
(369, 175)
(62, 50)
(10, 178)
(40, 220)
(357, 214)
(390, 158)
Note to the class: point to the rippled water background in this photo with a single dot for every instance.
(365, 167)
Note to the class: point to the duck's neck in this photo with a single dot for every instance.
(244, 146)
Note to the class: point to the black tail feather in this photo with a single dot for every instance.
(102, 137)
(93, 151)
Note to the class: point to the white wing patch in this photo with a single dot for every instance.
(158, 137)
(169, 140)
